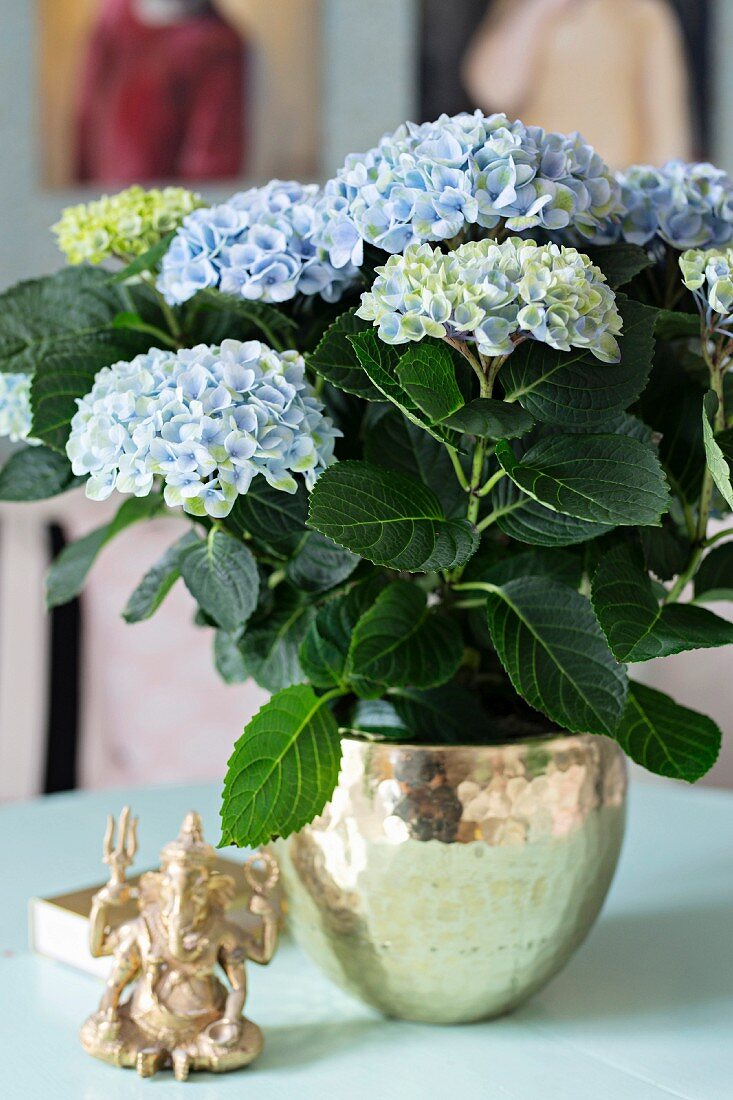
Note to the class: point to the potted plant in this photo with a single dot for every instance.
(450, 432)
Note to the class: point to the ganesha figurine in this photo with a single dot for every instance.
(180, 1014)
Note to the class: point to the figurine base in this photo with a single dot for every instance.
(220, 1048)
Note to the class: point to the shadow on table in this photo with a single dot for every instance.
(638, 964)
(302, 1044)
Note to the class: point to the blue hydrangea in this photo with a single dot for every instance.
(431, 182)
(204, 420)
(259, 246)
(496, 295)
(685, 205)
(15, 407)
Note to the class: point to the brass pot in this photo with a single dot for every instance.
(449, 883)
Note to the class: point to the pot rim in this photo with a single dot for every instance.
(367, 740)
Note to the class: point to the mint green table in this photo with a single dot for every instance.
(644, 1011)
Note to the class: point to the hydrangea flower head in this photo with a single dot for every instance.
(496, 295)
(686, 205)
(124, 225)
(206, 421)
(259, 246)
(15, 407)
(430, 182)
(709, 275)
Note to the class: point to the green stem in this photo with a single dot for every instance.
(477, 473)
(706, 493)
(711, 541)
(153, 330)
(491, 483)
(462, 348)
(170, 317)
(475, 586)
(460, 473)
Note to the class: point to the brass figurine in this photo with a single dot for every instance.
(179, 1014)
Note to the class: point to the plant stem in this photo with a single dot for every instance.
(463, 349)
(491, 483)
(153, 330)
(706, 492)
(460, 473)
(711, 541)
(170, 318)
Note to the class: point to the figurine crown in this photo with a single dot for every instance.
(190, 846)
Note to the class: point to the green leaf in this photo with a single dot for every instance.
(714, 580)
(325, 648)
(66, 371)
(45, 315)
(448, 714)
(228, 659)
(665, 552)
(717, 460)
(270, 648)
(672, 324)
(526, 520)
(272, 323)
(602, 478)
(319, 564)
(428, 375)
(380, 362)
(36, 473)
(389, 519)
(540, 562)
(636, 626)
(620, 263)
(67, 575)
(221, 575)
(397, 443)
(671, 405)
(147, 261)
(283, 769)
(666, 738)
(275, 520)
(378, 718)
(488, 418)
(399, 642)
(554, 652)
(157, 582)
(335, 358)
(572, 389)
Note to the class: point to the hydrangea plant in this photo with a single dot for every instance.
(450, 477)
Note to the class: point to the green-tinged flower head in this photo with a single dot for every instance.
(708, 273)
(124, 225)
(496, 295)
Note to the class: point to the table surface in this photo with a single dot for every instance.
(644, 1010)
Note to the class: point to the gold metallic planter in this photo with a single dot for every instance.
(448, 884)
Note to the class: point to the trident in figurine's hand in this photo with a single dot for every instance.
(118, 856)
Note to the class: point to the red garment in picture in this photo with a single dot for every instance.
(160, 102)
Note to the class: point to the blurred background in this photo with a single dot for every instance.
(97, 94)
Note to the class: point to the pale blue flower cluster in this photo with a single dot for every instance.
(496, 295)
(430, 182)
(684, 205)
(259, 246)
(15, 407)
(206, 421)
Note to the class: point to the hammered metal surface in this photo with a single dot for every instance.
(448, 884)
